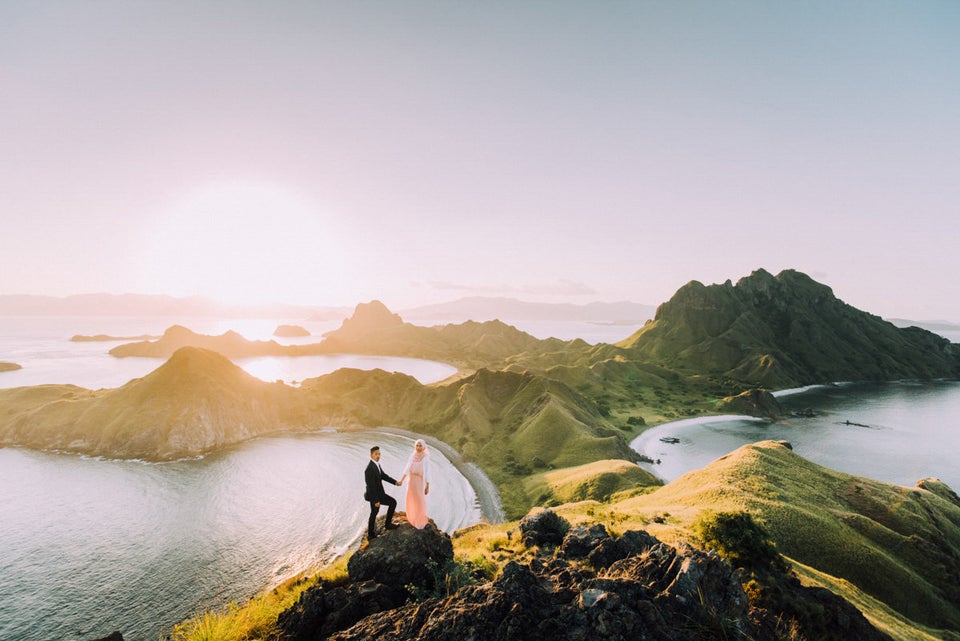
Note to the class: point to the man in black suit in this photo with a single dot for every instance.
(375, 495)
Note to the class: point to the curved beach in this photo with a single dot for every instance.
(489, 498)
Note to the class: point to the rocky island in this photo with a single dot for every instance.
(290, 331)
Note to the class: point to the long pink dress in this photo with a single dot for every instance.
(416, 502)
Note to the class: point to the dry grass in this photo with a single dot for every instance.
(256, 619)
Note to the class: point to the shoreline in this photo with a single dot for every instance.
(491, 507)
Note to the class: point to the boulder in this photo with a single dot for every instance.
(383, 575)
(754, 402)
(599, 548)
(403, 557)
(543, 527)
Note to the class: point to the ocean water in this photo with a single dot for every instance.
(88, 546)
(893, 432)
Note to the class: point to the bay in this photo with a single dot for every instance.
(89, 545)
(895, 432)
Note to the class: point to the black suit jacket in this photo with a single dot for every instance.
(375, 477)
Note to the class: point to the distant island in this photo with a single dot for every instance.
(290, 331)
(105, 338)
(9, 367)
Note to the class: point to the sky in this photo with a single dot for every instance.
(330, 153)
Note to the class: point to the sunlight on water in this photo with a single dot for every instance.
(89, 545)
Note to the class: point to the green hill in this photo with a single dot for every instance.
(511, 424)
(195, 402)
(899, 545)
(596, 481)
(785, 331)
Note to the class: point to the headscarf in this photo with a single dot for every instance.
(419, 455)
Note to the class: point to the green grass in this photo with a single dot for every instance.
(598, 481)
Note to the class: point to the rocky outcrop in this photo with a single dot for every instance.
(403, 557)
(631, 587)
(383, 575)
(368, 318)
(543, 527)
(753, 402)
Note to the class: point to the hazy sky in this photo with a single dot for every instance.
(330, 153)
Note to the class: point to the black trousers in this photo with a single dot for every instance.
(391, 504)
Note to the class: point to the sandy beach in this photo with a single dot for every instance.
(490, 504)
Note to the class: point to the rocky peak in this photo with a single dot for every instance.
(367, 318)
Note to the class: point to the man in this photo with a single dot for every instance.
(375, 495)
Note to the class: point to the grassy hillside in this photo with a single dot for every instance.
(196, 401)
(511, 424)
(785, 331)
(899, 545)
(596, 481)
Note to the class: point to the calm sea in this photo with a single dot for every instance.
(88, 546)
(893, 432)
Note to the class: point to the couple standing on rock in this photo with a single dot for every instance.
(418, 468)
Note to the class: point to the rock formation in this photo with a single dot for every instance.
(590, 586)
(384, 574)
(753, 402)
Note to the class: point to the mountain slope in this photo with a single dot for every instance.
(899, 544)
(195, 402)
(785, 331)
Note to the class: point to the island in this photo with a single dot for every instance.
(290, 331)
(9, 367)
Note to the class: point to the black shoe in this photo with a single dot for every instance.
(391, 526)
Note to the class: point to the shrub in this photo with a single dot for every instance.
(740, 540)
(545, 527)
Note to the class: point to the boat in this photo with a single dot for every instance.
(669, 439)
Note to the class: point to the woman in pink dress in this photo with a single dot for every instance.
(418, 467)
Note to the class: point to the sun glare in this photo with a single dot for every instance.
(241, 243)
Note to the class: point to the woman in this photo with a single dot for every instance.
(418, 467)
